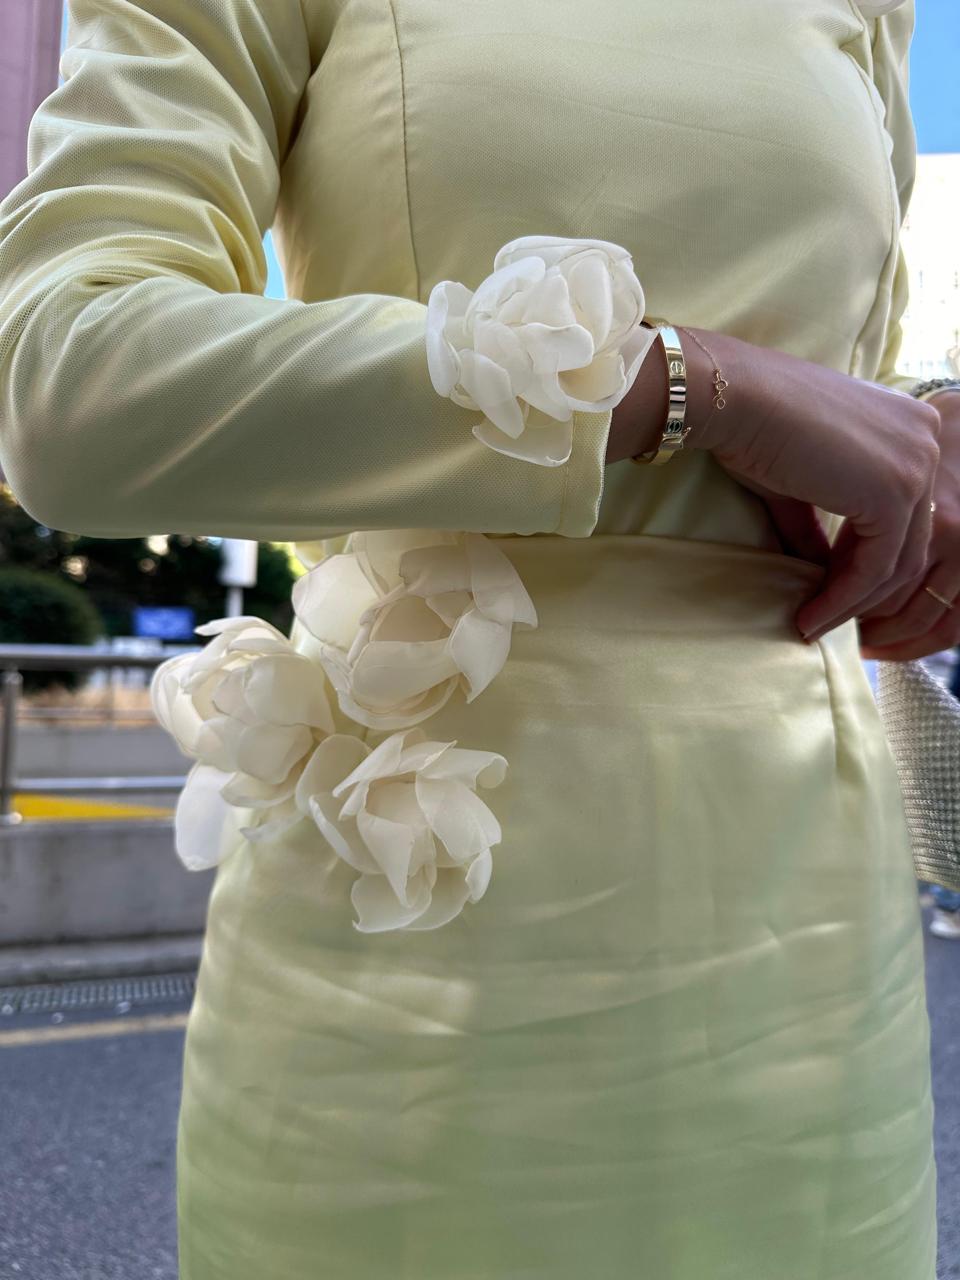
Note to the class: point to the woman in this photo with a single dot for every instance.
(674, 1026)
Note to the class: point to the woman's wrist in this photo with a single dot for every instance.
(639, 419)
(714, 353)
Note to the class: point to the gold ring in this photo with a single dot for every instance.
(948, 603)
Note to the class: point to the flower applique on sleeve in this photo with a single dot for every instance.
(556, 327)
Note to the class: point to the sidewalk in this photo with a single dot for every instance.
(168, 953)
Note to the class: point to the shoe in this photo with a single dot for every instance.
(945, 924)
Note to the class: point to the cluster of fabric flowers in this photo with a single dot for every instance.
(403, 620)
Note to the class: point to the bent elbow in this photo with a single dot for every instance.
(56, 474)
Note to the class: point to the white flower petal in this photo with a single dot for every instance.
(479, 646)
(546, 302)
(287, 689)
(218, 742)
(545, 394)
(601, 379)
(591, 296)
(201, 817)
(233, 626)
(421, 754)
(633, 354)
(341, 836)
(446, 900)
(273, 823)
(553, 349)
(378, 907)
(447, 298)
(475, 768)
(499, 341)
(555, 249)
(478, 875)
(380, 763)
(437, 570)
(458, 817)
(331, 599)
(269, 751)
(389, 673)
(311, 552)
(248, 792)
(496, 585)
(449, 605)
(502, 284)
(174, 709)
(380, 552)
(394, 849)
(490, 390)
(546, 447)
(401, 717)
(330, 762)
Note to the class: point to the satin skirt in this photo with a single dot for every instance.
(683, 1035)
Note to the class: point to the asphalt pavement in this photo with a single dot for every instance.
(88, 1125)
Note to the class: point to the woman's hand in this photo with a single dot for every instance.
(910, 622)
(802, 435)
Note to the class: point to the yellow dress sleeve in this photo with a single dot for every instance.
(147, 385)
(891, 49)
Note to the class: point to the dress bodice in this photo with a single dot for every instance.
(743, 154)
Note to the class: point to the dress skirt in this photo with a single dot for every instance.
(683, 1035)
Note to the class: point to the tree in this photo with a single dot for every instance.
(118, 574)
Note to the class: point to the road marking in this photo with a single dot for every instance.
(47, 808)
(94, 1030)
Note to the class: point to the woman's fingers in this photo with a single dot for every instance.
(867, 567)
(920, 613)
(914, 560)
(799, 528)
(859, 564)
(944, 634)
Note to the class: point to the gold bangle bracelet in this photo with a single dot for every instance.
(675, 429)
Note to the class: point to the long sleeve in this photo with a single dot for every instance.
(891, 51)
(147, 385)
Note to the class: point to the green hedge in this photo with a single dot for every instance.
(38, 608)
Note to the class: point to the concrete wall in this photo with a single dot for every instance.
(72, 881)
(83, 751)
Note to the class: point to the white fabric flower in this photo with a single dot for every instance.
(249, 710)
(556, 327)
(406, 618)
(407, 817)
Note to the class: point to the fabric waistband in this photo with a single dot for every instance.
(631, 580)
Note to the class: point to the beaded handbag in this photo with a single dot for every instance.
(922, 722)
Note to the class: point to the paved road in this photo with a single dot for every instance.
(87, 1133)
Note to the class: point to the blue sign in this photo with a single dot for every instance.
(168, 622)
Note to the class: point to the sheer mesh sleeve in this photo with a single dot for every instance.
(147, 385)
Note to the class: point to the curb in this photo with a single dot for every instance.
(120, 957)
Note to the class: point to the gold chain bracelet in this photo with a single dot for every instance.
(720, 383)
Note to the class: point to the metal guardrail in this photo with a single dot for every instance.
(16, 658)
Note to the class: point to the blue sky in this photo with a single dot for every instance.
(934, 92)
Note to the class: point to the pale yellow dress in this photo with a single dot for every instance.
(683, 1034)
